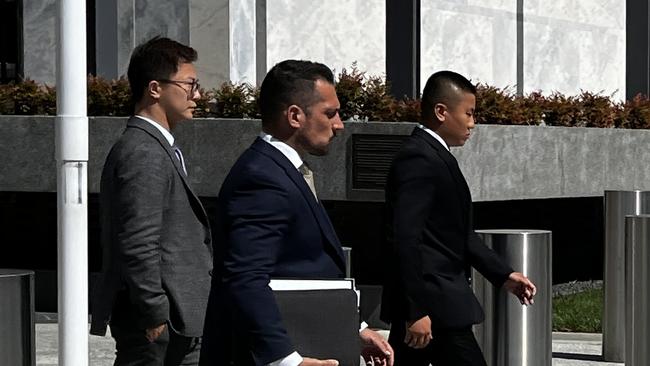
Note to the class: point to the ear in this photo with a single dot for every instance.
(440, 111)
(153, 89)
(295, 116)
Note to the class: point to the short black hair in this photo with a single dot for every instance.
(443, 87)
(157, 58)
(290, 82)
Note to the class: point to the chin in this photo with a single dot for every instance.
(319, 151)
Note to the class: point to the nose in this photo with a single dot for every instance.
(196, 95)
(338, 124)
(472, 123)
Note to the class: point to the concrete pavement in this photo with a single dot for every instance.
(569, 349)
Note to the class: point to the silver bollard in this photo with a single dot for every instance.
(637, 290)
(347, 256)
(618, 204)
(17, 317)
(513, 334)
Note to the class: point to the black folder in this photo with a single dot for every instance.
(322, 324)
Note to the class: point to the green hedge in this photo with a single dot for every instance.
(362, 97)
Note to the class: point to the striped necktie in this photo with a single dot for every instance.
(179, 155)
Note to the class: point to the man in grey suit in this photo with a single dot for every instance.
(157, 256)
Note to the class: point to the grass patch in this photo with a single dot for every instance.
(579, 312)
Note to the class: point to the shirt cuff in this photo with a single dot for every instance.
(363, 326)
(293, 359)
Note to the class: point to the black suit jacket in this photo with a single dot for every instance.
(432, 240)
(155, 238)
(269, 226)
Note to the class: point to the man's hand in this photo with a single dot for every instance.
(153, 333)
(376, 350)
(306, 361)
(418, 333)
(521, 287)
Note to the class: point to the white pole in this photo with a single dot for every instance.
(72, 161)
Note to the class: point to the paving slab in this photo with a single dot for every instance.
(569, 349)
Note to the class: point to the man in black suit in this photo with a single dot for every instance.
(272, 225)
(427, 297)
(155, 233)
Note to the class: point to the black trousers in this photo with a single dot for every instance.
(170, 349)
(450, 347)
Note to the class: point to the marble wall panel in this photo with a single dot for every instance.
(126, 36)
(39, 40)
(242, 41)
(594, 12)
(135, 22)
(475, 38)
(162, 18)
(575, 45)
(209, 35)
(334, 32)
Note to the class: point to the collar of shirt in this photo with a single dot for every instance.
(168, 135)
(435, 136)
(285, 149)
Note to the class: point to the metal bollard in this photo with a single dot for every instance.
(637, 290)
(513, 334)
(347, 255)
(618, 204)
(17, 317)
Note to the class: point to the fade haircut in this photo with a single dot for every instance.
(156, 59)
(291, 82)
(444, 87)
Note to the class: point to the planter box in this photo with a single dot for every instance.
(500, 162)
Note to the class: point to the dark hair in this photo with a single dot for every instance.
(290, 82)
(444, 87)
(158, 58)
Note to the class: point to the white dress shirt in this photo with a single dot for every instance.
(435, 136)
(168, 135)
(285, 149)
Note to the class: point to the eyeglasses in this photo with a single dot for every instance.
(194, 85)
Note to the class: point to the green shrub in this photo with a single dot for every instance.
(235, 101)
(407, 110)
(6, 103)
(561, 110)
(598, 110)
(494, 105)
(635, 113)
(349, 90)
(30, 98)
(362, 97)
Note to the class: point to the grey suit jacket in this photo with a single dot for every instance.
(156, 248)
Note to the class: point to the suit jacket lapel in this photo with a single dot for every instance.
(461, 187)
(135, 122)
(318, 210)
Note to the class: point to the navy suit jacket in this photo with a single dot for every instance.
(269, 225)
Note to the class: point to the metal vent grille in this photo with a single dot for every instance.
(371, 159)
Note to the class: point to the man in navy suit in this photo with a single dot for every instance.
(272, 225)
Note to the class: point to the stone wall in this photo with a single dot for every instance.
(500, 162)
